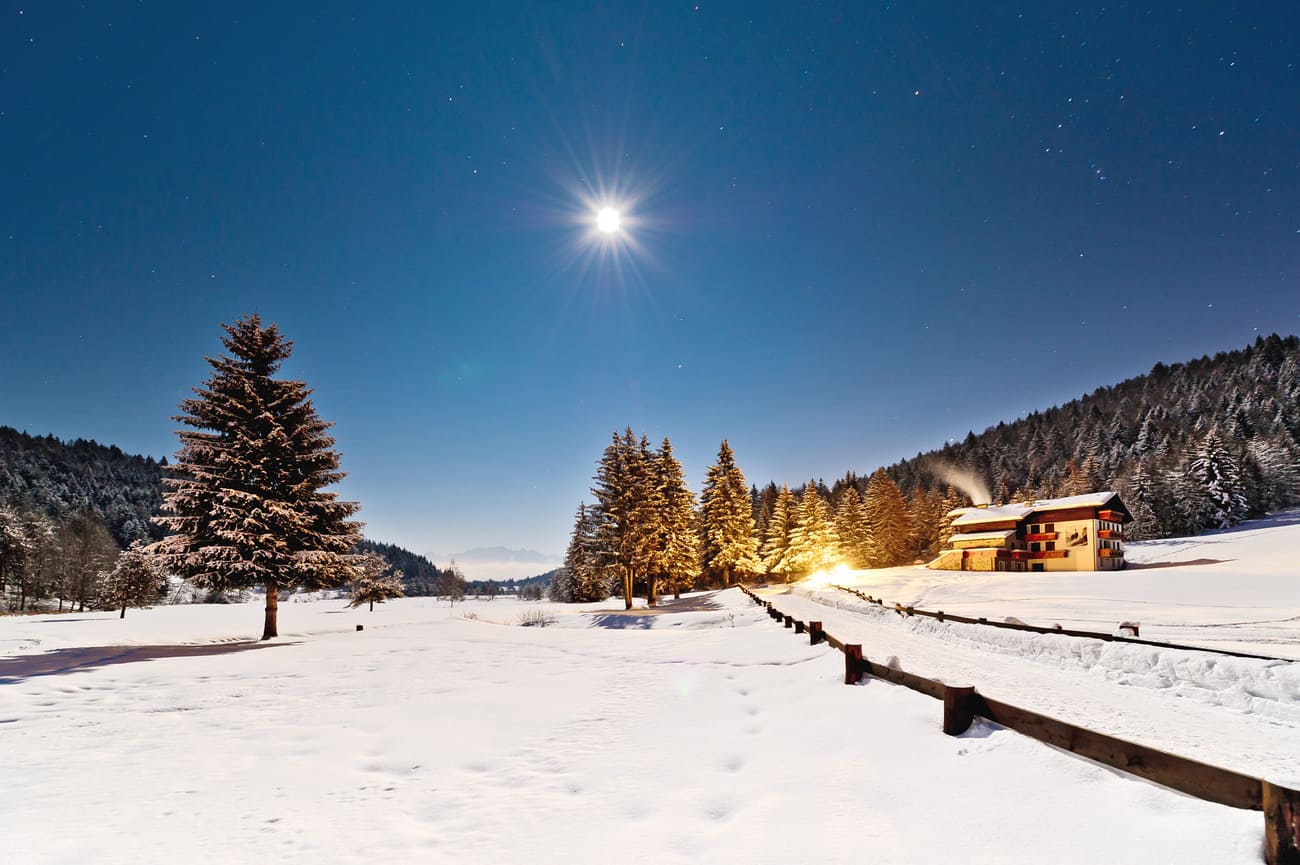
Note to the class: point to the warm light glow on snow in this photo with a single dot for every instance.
(608, 220)
(827, 577)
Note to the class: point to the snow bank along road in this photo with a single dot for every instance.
(1238, 713)
(705, 736)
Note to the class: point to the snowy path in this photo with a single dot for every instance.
(705, 736)
(1236, 713)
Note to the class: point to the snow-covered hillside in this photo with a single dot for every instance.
(707, 735)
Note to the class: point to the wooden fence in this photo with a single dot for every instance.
(962, 704)
(1036, 629)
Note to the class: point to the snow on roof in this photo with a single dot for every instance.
(1002, 513)
(984, 536)
(990, 514)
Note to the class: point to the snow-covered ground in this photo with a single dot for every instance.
(707, 735)
(1239, 713)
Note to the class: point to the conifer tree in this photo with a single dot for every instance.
(776, 541)
(1141, 500)
(560, 587)
(891, 530)
(374, 580)
(729, 547)
(952, 500)
(244, 502)
(582, 577)
(852, 528)
(678, 551)
(1217, 479)
(627, 506)
(814, 544)
(135, 581)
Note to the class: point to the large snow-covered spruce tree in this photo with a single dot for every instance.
(776, 539)
(729, 545)
(627, 507)
(814, 544)
(676, 549)
(244, 504)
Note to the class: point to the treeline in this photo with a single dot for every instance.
(42, 558)
(644, 533)
(420, 577)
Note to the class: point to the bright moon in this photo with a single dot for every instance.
(607, 220)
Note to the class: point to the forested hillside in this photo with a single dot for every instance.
(1189, 445)
(61, 479)
(68, 508)
(419, 575)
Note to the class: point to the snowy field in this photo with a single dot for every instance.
(705, 735)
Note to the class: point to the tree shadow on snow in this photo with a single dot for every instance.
(61, 661)
(1146, 566)
(630, 621)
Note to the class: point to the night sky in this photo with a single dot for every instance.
(850, 232)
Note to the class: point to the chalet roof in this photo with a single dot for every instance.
(984, 536)
(1019, 511)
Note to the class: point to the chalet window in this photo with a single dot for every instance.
(1051, 527)
(1051, 545)
(1033, 547)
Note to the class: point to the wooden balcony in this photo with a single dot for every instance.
(1039, 554)
(1110, 534)
(1110, 516)
(1041, 536)
(1111, 554)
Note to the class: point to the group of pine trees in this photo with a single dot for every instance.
(640, 535)
(644, 533)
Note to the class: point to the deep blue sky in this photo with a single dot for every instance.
(854, 230)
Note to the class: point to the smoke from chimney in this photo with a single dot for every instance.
(964, 480)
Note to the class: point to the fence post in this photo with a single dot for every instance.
(788, 621)
(958, 708)
(852, 663)
(815, 634)
(798, 626)
(1281, 825)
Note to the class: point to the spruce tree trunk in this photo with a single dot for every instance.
(650, 591)
(627, 588)
(272, 607)
(372, 606)
(123, 616)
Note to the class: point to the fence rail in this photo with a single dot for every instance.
(941, 616)
(963, 704)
